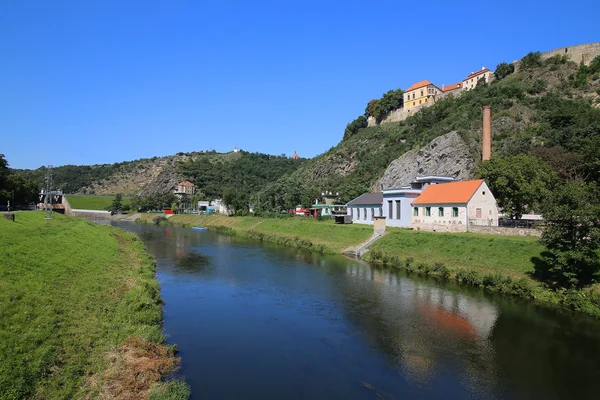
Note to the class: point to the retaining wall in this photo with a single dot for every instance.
(583, 53)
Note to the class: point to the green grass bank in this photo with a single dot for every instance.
(80, 313)
(501, 264)
(320, 236)
(83, 202)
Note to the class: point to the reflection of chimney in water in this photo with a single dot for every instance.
(486, 141)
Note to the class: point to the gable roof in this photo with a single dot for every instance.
(447, 193)
(186, 183)
(367, 199)
(453, 86)
(419, 85)
(472, 74)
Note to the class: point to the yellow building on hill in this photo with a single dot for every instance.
(421, 94)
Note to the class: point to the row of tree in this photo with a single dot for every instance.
(571, 210)
(15, 188)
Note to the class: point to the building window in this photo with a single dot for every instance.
(419, 101)
(372, 213)
(478, 213)
(483, 193)
(390, 210)
(364, 214)
(414, 103)
(398, 212)
(455, 212)
(413, 96)
(440, 211)
(415, 211)
(425, 100)
(421, 93)
(381, 211)
(428, 211)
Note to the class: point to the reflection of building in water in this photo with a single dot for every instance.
(422, 325)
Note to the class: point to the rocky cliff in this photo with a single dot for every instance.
(447, 155)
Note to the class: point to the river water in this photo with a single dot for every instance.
(254, 321)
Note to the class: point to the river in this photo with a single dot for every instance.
(254, 321)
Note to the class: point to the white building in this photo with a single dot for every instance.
(397, 206)
(365, 208)
(474, 77)
(394, 204)
(454, 206)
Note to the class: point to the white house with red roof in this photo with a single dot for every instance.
(185, 188)
(474, 77)
(454, 206)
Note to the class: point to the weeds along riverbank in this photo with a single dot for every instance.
(499, 264)
(80, 313)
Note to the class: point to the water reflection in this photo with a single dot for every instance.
(292, 324)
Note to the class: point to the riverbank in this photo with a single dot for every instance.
(320, 236)
(501, 264)
(80, 313)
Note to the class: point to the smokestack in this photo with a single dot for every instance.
(486, 152)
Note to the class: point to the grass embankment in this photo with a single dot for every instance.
(321, 236)
(82, 202)
(80, 313)
(500, 264)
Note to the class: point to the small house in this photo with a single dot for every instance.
(454, 206)
(365, 208)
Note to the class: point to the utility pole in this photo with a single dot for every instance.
(48, 190)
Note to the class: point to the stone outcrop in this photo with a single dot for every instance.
(164, 183)
(447, 155)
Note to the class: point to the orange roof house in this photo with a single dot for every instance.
(422, 93)
(471, 80)
(454, 206)
(185, 188)
(451, 87)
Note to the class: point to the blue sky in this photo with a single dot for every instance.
(87, 82)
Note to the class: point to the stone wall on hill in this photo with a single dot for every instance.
(583, 53)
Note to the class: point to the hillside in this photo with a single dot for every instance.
(549, 108)
(212, 172)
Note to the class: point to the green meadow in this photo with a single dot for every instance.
(77, 300)
(84, 202)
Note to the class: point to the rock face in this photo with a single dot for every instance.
(447, 155)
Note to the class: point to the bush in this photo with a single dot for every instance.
(158, 219)
(503, 70)
(531, 60)
(468, 277)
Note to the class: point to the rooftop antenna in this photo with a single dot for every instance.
(48, 190)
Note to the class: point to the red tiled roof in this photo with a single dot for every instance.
(187, 183)
(472, 74)
(446, 193)
(453, 86)
(419, 85)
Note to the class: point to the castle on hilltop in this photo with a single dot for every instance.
(425, 93)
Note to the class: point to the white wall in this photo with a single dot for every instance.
(405, 218)
(358, 213)
(487, 205)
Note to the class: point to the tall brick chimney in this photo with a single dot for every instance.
(486, 151)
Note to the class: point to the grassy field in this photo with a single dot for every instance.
(510, 255)
(93, 202)
(327, 236)
(79, 308)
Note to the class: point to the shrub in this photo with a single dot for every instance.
(158, 219)
(468, 277)
(503, 70)
(531, 60)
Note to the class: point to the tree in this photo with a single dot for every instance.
(571, 235)
(520, 183)
(503, 70)
(531, 60)
(370, 110)
(353, 127)
(390, 101)
(117, 204)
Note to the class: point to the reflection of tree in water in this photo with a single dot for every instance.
(192, 262)
(544, 355)
(425, 329)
